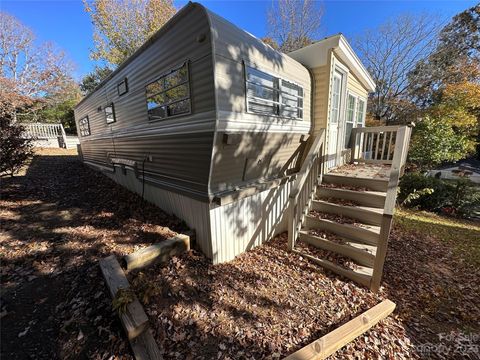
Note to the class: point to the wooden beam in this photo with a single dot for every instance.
(145, 348)
(134, 319)
(157, 253)
(381, 254)
(328, 344)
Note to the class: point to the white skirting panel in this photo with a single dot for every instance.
(244, 224)
(195, 213)
(222, 232)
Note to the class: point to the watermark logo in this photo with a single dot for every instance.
(452, 343)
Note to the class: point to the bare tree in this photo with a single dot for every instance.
(30, 71)
(122, 26)
(293, 24)
(390, 53)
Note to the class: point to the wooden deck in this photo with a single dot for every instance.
(370, 171)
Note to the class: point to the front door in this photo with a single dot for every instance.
(334, 119)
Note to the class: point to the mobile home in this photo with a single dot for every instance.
(217, 127)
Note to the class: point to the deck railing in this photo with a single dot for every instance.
(304, 187)
(374, 144)
(41, 131)
(381, 144)
(44, 131)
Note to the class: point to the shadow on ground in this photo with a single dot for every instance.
(58, 218)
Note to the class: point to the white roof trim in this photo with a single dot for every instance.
(315, 55)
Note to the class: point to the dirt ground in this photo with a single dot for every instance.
(59, 217)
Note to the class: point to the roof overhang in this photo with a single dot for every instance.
(316, 55)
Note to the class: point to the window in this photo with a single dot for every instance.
(270, 95)
(169, 95)
(292, 100)
(84, 126)
(360, 113)
(110, 114)
(336, 93)
(350, 119)
(354, 116)
(122, 87)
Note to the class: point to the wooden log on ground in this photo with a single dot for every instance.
(328, 344)
(157, 253)
(134, 319)
(145, 348)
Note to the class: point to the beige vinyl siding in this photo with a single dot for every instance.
(320, 112)
(353, 84)
(356, 87)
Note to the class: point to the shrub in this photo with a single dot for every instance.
(455, 197)
(15, 150)
(464, 198)
(429, 200)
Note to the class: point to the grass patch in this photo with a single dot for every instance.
(463, 235)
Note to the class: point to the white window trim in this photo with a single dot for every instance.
(357, 97)
(84, 132)
(277, 103)
(110, 105)
(189, 91)
(337, 66)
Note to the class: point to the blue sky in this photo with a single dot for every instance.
(66, 24)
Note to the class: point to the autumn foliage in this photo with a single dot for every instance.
(122, 26)
(450, 128)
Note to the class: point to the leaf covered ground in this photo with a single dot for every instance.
(59, 217)
(268, 302)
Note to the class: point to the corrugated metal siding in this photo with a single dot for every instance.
(232, 46)
(242, 225)
(97, 151)
(230, 160)
(263, 137)
(181, 146)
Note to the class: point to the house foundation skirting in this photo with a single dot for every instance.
(221, 232)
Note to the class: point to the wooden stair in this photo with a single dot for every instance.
(367, 215)
(358, 203)
(361, 253)
(356, 181)
(366, 197)
(342, 220)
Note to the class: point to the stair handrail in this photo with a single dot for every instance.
(309, 175)
(397, 168)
